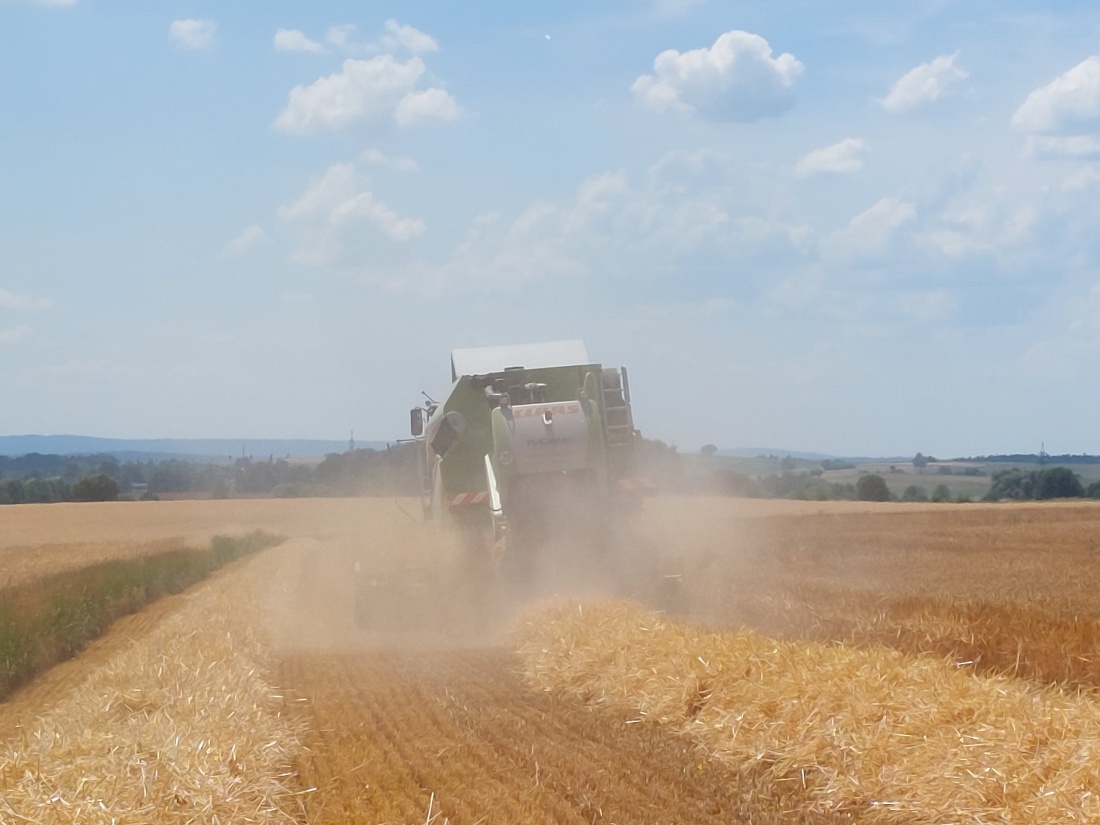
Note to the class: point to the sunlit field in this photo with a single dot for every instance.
(725, 660)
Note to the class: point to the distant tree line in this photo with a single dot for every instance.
(40, 478)
(799, 479)
(1039, 485)
(1037, 458)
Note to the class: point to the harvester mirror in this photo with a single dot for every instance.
(416, 421)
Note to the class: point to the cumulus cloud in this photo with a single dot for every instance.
(869, 234)
(336, 203)
(374, 90)
(737, 79)
(1068, 102)
(398, 37)
(1081, 179)
(596, 197)
(409, 38)
(192, 35)
(23, 302)
(926, 83)
(843, 157)
(15, 335)
(1071, 146)
(427, 105)
(400, 163)
(251, 236)
(292, 40)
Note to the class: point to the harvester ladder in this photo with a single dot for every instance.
(618, 420)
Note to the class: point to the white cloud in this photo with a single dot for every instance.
(15, 335)
(292, 40)
(926, 83)
(1067, 102)
(595, 199)
(376, 213)
(342, 36)
(400, 163)
(870, 233)
(1081, 179)
(843, 157)
(376, 89)
(736, 79)
(192, 35)
(1071, 351)
(926, 305)
(427, 105)
(409, 38)
(956, 243)
(675, 8)
(251, 236)
(23, 302)
(334, 204)
(1072, 146)
(337, 185)
(398, 37)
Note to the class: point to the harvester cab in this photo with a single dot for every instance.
(531, 441)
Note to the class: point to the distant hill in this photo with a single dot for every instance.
(158, 448)
(753, 452)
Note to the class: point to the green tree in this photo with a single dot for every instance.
(1012, 483)
(914, 492)
(941, 493)
(1058, 482)
(920, 461)
(871, 487)
(95, 488)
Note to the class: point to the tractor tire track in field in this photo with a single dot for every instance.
(420, 715)
(397, 733)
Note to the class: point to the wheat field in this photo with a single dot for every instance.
(762, 661)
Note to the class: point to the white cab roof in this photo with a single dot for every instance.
(484, 360)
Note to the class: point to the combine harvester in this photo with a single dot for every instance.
(533, 447)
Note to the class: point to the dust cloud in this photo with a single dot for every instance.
(384, 578)
(372, 574)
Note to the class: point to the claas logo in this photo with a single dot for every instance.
(553, 409)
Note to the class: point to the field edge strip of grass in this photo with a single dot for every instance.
(51, 619)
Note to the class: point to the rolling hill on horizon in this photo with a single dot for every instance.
(223, 448)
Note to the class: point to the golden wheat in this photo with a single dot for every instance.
(180, 726)
(883, 736)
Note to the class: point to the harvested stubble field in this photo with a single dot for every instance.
(881, 637)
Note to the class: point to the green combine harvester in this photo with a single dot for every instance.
(532, 443)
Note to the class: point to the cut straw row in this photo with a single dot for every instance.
(883, 736)
(180, 726)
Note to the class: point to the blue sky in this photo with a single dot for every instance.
(854, 227)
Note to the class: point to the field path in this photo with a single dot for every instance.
(422, 715)
(397, 733)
